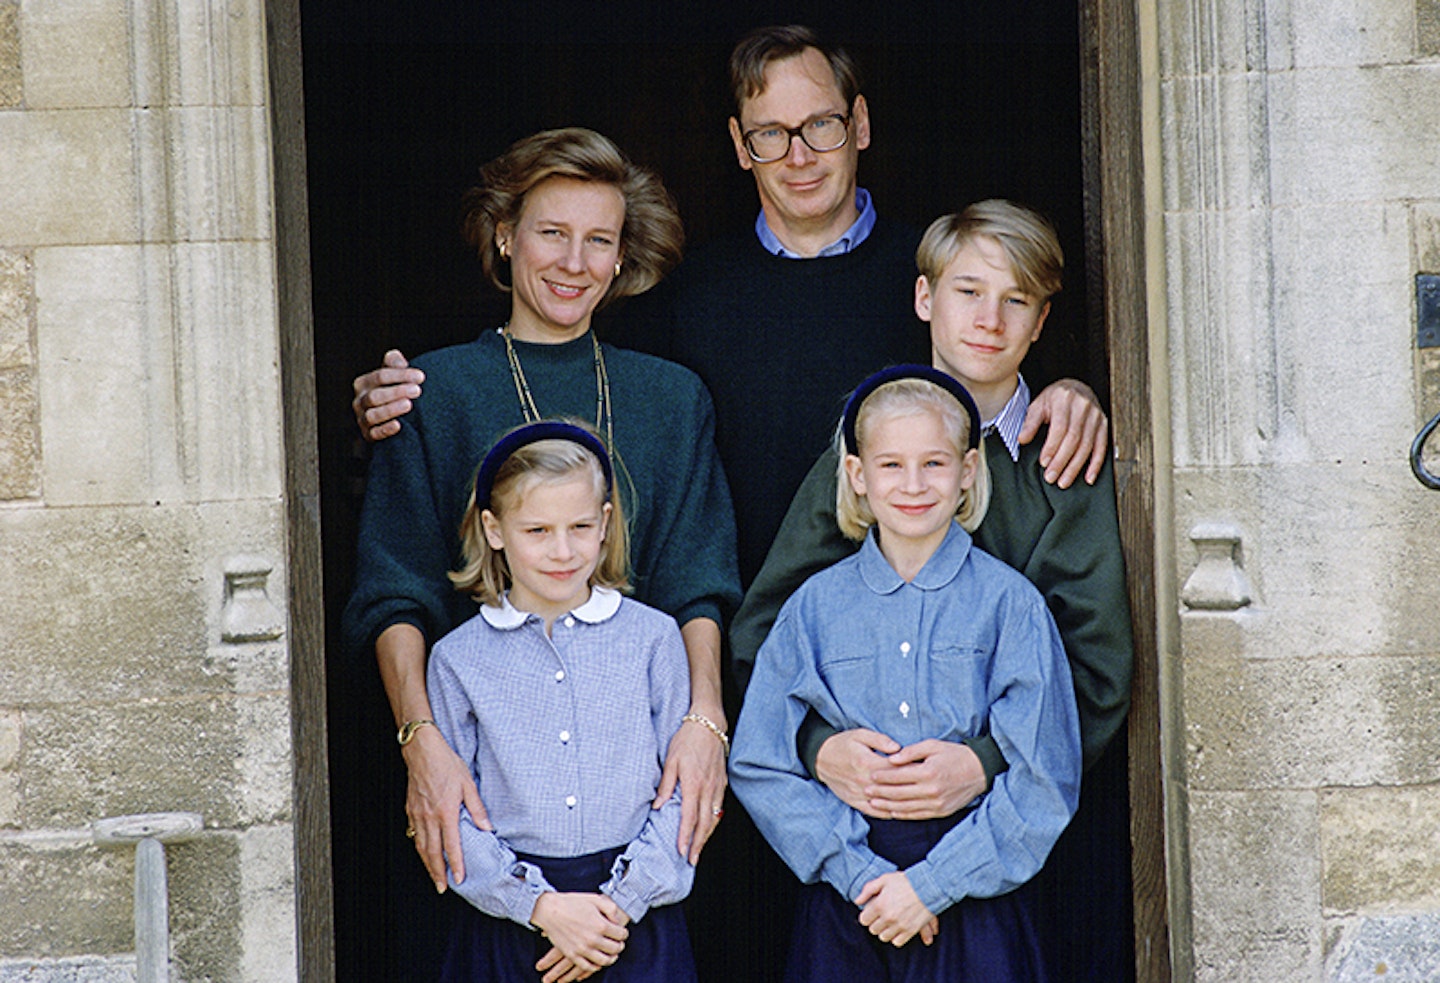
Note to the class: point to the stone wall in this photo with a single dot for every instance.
(143, 654)
(1300, 145)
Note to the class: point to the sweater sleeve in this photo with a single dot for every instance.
(1079, 568)
(690, 570)
(403, 551)
(809, 540)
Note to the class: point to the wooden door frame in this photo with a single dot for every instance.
(1115, 283)
(1114, 180)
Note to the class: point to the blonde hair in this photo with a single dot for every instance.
(650, 239)
(1026, 237)
(486, 573)
(904, 397)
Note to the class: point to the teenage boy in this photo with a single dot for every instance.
(987, 276)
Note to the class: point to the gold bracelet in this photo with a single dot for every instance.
(710, 725)
(407, 732)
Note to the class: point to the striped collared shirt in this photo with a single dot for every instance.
(1008, 421)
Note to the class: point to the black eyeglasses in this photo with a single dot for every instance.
(821, 134)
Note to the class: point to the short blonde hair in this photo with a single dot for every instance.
(1026, 237)
(904, 397)
(650, 240)
(486, 574)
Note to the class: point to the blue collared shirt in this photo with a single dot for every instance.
(967, 647)
(1011, 418)
(851, 238)
(566, 736)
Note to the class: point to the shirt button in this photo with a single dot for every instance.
(564, 737)
(570, 802)
(569, 622)
(904, 709)
(904, 648)
(559, 675)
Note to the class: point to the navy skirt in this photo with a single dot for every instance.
(484, 949)
(981, 940)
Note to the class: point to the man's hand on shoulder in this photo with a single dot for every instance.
(1079, 432)
(384, 395)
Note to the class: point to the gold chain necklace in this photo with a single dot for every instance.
(604, 415)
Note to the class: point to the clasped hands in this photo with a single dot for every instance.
(875, 775)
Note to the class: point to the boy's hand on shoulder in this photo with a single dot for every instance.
(927, 780)
(587, 931)
(893, 912)
(1079, 435)
(847, 763)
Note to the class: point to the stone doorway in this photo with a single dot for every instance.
(401, 108)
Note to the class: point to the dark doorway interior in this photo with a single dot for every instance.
(968, 99)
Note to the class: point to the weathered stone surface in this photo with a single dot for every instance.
(102, 604)
(206, 898)
(1426, 232)
(62, 896)
(11, 77)
(86, 762)
(1397, 949)
(17, 296)
(125, 604)
(267, 896)
(1307, 723)
(1355, 134)
(1427, 28)
(10, 731)
(1340, 552)
(1255, 886)
(1338, 32)
(75, 167)
(75, 969)
(205, 424)
(77, 54)
(20, 462)
(1380, 849)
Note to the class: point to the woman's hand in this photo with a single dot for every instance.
(893, 912)
(587, 932)
(696, 761)
(439, 782)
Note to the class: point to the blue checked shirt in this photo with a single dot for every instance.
(566, 737)
(967, 647)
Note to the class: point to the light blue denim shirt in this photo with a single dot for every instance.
(858, 232)
(967, 647)
(566, 737)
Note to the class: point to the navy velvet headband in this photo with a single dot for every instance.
(948, 383)
(529, 434)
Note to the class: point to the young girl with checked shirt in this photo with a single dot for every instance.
(563, 697)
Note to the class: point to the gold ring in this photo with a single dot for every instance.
(410, 832)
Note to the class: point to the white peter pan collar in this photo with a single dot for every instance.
(601, 606)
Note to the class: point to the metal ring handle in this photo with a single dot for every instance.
(1417, 448)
